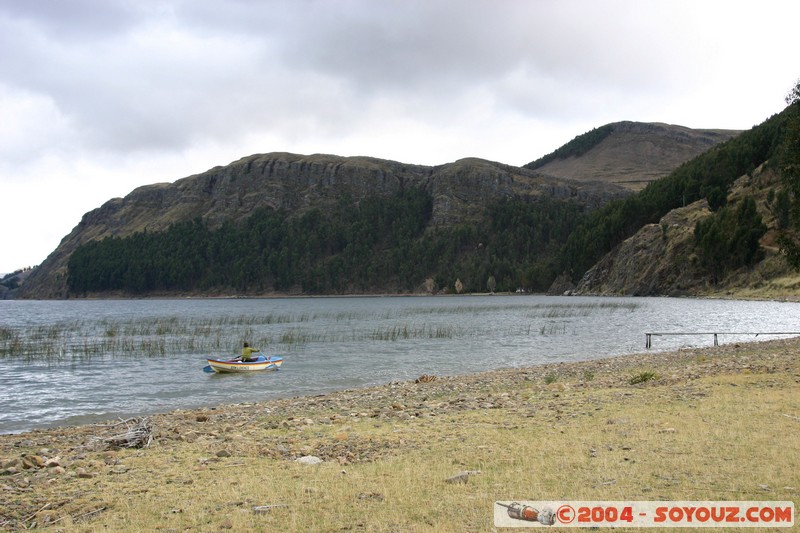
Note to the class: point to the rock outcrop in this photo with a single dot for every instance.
(658, 260)
(661, 259)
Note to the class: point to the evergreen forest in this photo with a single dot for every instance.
(382, 244)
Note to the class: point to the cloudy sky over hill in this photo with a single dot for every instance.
(98, 97)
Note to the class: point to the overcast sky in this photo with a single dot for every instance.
(98, 97)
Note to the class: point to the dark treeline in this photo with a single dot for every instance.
(377, 245)
(730, 238)
(516, 243)
(576, 147)
(790, 172)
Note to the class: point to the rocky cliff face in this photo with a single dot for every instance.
(295, 183)
(661, 259)
(658, 260)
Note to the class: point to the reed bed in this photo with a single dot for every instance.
(160, 342)
(170, 335)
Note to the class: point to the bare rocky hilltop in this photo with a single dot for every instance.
(630, 154)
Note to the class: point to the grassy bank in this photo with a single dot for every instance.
(709, 424)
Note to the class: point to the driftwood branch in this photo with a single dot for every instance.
(37, 511)
(77, 517)
(138, 434)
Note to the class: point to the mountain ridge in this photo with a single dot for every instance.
(294, 183)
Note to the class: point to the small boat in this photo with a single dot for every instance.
(261, 363)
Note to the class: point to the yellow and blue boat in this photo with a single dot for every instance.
(272, 362)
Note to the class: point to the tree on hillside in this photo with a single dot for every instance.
(789, 240)
(793, 96)
(729, 239)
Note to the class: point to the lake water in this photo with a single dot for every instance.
(71, 362)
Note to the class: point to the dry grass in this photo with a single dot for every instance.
(786, 287)
(733, 435)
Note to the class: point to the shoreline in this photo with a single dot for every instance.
(600, 370)
(740, 294)
(554, 368)
(545, 343)
(681, 425)
(289, 295)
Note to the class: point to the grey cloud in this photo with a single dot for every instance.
(161, 75)
(76, 19)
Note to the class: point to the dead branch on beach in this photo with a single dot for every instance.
(138, 434)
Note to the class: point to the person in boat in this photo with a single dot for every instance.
(247, 353)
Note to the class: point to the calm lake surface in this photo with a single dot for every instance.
(73, 362)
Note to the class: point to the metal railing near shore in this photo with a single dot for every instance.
(649, 336)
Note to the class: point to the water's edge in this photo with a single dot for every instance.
(136, 357)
